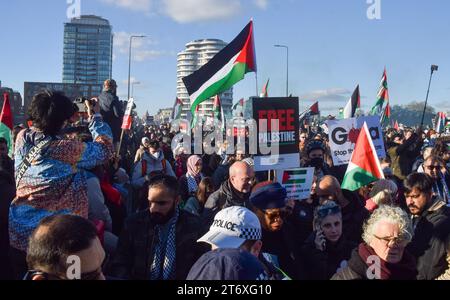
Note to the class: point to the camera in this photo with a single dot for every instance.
(80, 102)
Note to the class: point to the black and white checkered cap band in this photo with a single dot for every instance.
(252, 234)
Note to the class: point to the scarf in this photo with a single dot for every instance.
(163, 265)
(406, 269)
(193, 177)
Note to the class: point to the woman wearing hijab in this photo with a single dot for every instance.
(190, 181)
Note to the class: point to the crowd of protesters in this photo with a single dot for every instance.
(155, 212)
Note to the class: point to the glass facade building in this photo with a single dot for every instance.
(88, 49)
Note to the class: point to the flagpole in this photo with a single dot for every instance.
(256, 79)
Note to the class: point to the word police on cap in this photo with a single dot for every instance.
(224, 224)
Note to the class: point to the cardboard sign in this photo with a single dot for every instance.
(343, 135)
(128, 118)
(297, 182)
(286, 139)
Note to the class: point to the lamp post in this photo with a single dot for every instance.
(433, 68)
(129, 61)
(132, 88)
(287, 66)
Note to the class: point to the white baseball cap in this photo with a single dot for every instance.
(233, 226)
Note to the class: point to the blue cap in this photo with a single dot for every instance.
(227, 264)
(269, 196)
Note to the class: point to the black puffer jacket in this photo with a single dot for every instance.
(136, 247)
(112, 112)
(322, 265)
(353, 217)
(224, 197)
(431, 241)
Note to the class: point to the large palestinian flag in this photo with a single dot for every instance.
(364, 166)
(224, 70)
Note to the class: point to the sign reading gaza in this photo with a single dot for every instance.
(343, 135)
(282, 136)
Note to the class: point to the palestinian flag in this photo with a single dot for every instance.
(218, 111)
(353, 103)
(386, 116)
(312, 111)
(441, 119)
(239, 103)
(6, 123)
(383, 96)
(364, 166)
(224, 70)
(294, 177)
(177, 109)
(396, 127)
(265, 90)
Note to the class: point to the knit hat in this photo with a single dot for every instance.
(382, 191)
(268, 195)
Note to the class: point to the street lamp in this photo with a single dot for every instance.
(433, 68)
(129, 62)
(132, 88)
(287, 66)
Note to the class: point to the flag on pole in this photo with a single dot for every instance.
(224, 70)
(353, 103)
(440, 123)
(177, 109)
(218, 111)
(386, 116)
(396, 127)
(383, 96)
(265, 90)
(312, 111)
(364, 166)
(6, 123)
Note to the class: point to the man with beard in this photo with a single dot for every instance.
(161, 242)
(431, 222)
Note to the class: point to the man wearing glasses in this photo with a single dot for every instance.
(431, 221)
(65, 247)
(435, 168)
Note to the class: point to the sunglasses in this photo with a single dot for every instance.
(90, 276)
(273, 216)
(431, 168)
